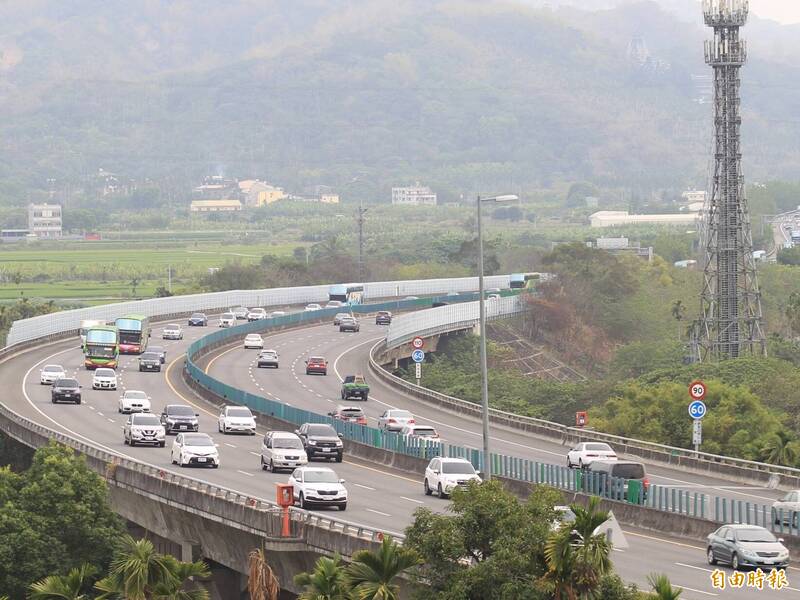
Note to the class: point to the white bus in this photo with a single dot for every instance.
(85, 326)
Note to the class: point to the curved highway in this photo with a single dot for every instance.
(379, 497)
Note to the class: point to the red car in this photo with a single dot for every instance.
(316, 364)
(349, 413)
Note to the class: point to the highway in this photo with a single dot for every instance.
(379, 497)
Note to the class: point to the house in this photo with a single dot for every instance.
(416, 195)
(44, 220)
(259, 193)
(205, 206)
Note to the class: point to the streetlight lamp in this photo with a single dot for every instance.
(487, 462)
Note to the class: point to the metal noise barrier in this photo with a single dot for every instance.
(662, 498)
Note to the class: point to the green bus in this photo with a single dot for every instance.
(101, 347)
(134, 332)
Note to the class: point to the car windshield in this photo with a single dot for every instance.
(269, 354)
(628, 471)
(198, 440)
(320, 477)
(754, 535)
(135, 395)
(181, 411)
(423, 431)
(104, 373)
(460, 468)
(53, 369)
(342, 316)
(173, 326)
(599, 447)
(239, 412)
(322, 430)
(228, 316)
(287, 443)
(400, 414)
(146, 420)
(149, 356)
(383, 314)
(352, 412)
(253, 336)
(67, 383)
(196, 316)
(316, 359)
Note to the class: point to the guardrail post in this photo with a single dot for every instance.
(671, 507)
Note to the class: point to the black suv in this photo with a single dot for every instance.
(384, 317)
(320, 440)
(149, 361)
(198, 320)
(68, 390)
(179, 417)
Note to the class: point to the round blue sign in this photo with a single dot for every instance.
(697, 409)
(418, 356)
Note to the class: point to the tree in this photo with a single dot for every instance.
(792, 311)
(780, 449)
(261, 583)
(326, 582)
(371, 574)
(663, 588)
(678, 312)
(134, 283)
(138, 572)
(162, 292)
(75, 585)
(577, 557)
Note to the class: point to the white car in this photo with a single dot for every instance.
(143, 429)
(104, 379)
(443, 475)
(394, 419)
(51, 373)
(236, 419)
(313, 306)
(419, 431)
(282, 450)
(190, 449)
(256, 314)
(584, 453)
(227, 320)
(173, 331)
(334, 304)
(493, 297)
(787, 508)
(253, 340)
(133, 401)
(276, 313)
(318, 486)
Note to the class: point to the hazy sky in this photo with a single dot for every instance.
(785, 11)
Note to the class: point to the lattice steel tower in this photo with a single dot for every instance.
(731, 323)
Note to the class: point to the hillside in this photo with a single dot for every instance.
(463, 95)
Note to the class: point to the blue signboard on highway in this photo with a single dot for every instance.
(418, 356)
(697, 409)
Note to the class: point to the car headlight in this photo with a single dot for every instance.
(339, 444)
(783, 554)
(750, 553)
(312, 442)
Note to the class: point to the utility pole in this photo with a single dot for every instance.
(360, 220)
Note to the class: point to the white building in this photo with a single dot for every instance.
(413, 196)
(44, 220)
(610, 218)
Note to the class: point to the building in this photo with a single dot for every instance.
(206, 206)
(329, 198)
(622, 245)
(611, 218)
(413, 196)
(693, 200)
(44, 220)
(259, 193)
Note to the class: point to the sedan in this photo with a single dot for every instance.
(134, 401)
(313, 306)
(236, 419)
(150, 361)
(253, 340)
(173, 331)
(198, 320)
(582, 455)
(256, 314)
(194, 449)
(161, 351)
(106, 379)
(742, 545)
(394, 419)
(349, 324)
(334, 304)
(240, 312)
(51, 373)
(276, 313)
(420, 431)
(338, 318)
(143, 429)
(267, 358)
(787, 509)
(318, 486)
(67, 390)
(352, 414)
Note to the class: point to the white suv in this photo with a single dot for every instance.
(51, 373)
(133, 401)
(282, 450)
(143, 429)
(227, 320)
(318, 486)
(256, 314)
(104, 379)
(173, 331)
(236, 419)
(443, 475)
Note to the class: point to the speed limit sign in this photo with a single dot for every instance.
(418, 342)
(697, 390)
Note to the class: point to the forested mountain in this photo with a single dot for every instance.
(462, 94)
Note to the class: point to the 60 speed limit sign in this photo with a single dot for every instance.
(697, 390)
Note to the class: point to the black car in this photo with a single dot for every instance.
(149, 361)
(179, 417)
(198, 320)
(67, 390)
(320, 440)
(384, 317)
(160, 350)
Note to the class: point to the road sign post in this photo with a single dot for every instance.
(697, 410)
(697, 434)
(419, 372)
(418, 356)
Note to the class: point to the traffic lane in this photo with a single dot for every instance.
(379, 499)
(686, 566)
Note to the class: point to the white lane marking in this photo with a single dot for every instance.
(366, 487)
(101, 414)
(111, 420)
(377, 512)
(90, 407)
(254, 453)
(229, 445)
(245, 473)
(412, 500)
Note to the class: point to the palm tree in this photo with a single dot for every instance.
(663, 588)
(64, 587)
(262, 583)
(138, 572)
(780, 449)
(577, 558)
(326, 582)
(371, 574)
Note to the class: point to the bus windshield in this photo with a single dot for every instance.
(101, 336)
(129, 324)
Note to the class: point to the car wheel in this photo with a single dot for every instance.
(124, 440)
(343, 506)
(735, 562)
(428, 490)
(215, 466)
(710, 556)
(78, 401)
(131, 443)
(569, 463)
(174, 462)
(224, 429)
(580, 464)
(441, 492)
(162, 444)
(338, 458)
(303, 501)
(263, 464)
(271, 466)
(219, 427)
(775, 516)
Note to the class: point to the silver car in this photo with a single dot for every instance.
(787, 508)
(394, 419)
(742, 545)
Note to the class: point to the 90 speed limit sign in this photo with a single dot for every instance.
(697, 390)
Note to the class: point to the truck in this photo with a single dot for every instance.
(354, 387)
